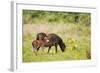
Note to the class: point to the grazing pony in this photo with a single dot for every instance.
(49, 40)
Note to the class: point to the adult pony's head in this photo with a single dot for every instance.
(62, 46)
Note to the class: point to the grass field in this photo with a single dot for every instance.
(76, 37)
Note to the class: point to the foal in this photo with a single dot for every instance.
(41, 43)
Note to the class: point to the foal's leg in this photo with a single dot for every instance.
(49, 49)
(43, 50)
(56, 48)
(38, 49)
(34, 51)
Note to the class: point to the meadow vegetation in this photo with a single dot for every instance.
(73, 27)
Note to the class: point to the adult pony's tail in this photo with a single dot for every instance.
(62, 45)
(41, 36)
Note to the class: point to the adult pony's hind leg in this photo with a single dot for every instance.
(49, 49)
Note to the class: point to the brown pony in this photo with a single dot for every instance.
(41, 43)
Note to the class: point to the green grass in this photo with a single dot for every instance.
(76, 37)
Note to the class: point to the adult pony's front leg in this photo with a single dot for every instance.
(56, 48)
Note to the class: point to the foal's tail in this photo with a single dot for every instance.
(62, 45)
(34, 48)
(41, 36)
